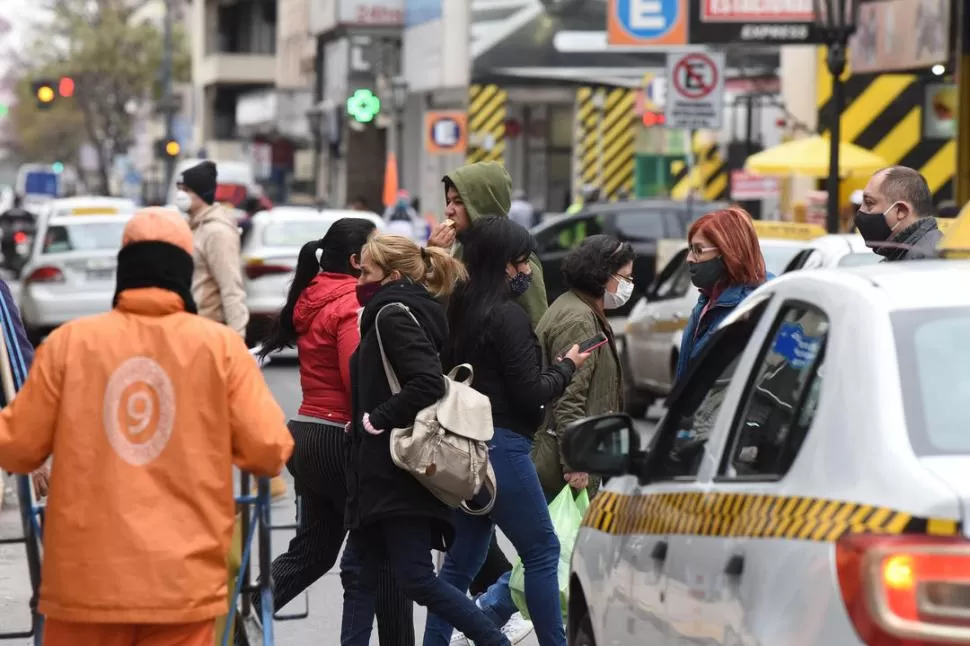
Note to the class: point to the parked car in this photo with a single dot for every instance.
(642, 223)
(71, 270)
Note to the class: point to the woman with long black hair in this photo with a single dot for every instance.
(493, 333)
(320, 318)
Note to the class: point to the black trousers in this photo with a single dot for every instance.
(318, 468)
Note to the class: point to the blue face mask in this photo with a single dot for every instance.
(520, 283)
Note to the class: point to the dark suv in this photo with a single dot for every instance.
(641, 223)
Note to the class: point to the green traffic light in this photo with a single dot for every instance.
(57, 167)
(363, 106)
(4, 111)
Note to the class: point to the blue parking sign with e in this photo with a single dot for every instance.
(648, 19)
(446, 133)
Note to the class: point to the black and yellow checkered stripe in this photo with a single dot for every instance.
(605, 151)
(752, 516)
(709, 174)
(884, 113)
(487, 111)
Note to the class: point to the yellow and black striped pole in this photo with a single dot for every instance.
(487, 111)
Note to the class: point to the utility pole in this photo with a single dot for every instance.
(169, 107)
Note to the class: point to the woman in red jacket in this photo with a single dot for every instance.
(320, 317)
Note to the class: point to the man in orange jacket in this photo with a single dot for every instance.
(145, 410)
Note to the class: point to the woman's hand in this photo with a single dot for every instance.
(577, 357)
(577, 480)
(370, 427)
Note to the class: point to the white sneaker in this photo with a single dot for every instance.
(459, 639)
(517, 628)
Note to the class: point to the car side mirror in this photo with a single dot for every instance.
(602, 445)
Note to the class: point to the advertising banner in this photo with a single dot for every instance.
(753, 21)
(900, 35)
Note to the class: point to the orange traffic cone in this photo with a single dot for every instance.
(390, 180)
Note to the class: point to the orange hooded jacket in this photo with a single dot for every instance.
(145, 410)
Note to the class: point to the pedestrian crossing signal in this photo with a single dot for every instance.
(651, 119)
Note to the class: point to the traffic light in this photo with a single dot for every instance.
(66, 87)
(363, 106)
(44, 93)
(167, 148)
(57, 167)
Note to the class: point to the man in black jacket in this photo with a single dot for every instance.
(895, 217)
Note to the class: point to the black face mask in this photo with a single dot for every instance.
(705, 274)
(872, 226)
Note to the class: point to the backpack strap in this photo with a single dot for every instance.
(392, 380)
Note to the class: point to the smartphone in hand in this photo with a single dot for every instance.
(592, 343)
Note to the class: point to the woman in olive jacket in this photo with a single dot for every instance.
(599, 273)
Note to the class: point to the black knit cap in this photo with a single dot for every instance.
(201, 180)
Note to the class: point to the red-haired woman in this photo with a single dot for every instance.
(725, 263)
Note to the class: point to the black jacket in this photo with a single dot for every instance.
(376, 488)
(508, 368)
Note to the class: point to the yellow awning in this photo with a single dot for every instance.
(809, 157)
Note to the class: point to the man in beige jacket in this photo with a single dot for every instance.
(217, 285)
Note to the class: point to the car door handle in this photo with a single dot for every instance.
(654, 317)
(659, 551)
(735, 566)
(679, 316)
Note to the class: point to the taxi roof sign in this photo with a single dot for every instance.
(787, 230)
(94, 210)
(956, 236)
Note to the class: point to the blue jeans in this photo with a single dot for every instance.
(496, 602)
(522, 514)
(405, 544)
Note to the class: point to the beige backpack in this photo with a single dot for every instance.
(446, 448)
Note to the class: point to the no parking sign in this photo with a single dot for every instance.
(445, 132)
(695, 90)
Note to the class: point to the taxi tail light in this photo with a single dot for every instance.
(906, 590)
(45, 275)
(257, 269)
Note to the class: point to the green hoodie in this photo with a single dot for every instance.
(486, 189)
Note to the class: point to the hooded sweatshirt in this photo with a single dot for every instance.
(486, 189)
(325, 319)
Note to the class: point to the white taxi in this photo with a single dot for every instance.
(71, 269)
(651, 341)
(808, 484)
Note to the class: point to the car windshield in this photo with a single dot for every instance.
(88, 236)
(295, 233)
(934, 367)
(777, 257)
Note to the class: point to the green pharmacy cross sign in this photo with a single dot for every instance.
(363, 106)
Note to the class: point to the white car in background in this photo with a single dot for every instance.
(834, 250)
(71, 270)
(270, 249)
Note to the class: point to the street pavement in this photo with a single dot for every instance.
(321, 628)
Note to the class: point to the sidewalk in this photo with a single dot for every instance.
(14, 579)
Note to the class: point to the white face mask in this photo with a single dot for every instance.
(615, 300)
(183, 202)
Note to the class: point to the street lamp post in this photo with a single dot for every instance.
(836, 21)
(314, 118)
(399, 95)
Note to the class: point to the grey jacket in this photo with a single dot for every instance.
(918, 241)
